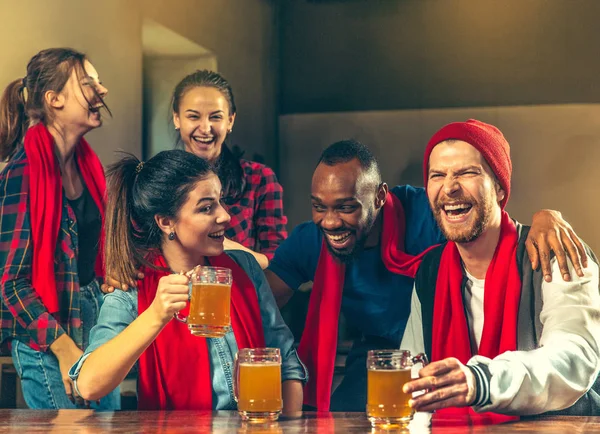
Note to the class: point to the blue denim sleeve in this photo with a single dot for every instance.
(295, 260)
(118, 310)
(277, 333)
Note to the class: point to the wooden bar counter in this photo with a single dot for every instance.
(88, 421)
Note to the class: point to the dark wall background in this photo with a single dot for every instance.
(344, 55)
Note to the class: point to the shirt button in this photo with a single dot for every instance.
(70, 221)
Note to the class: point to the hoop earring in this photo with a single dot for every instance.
(171, 236)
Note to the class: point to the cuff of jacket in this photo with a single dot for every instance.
(43, 331)
(483, 377)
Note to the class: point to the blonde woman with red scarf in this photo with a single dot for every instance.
(502, 340)
(52, 206)
(166, 215)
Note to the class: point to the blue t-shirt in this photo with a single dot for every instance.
(374, 300)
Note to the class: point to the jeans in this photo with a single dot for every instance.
(41, 380)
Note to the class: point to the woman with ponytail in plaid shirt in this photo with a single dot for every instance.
(52, 194)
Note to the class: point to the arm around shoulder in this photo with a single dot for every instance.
(565, 366)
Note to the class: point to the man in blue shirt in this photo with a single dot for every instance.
(347, 196)
(346, 204)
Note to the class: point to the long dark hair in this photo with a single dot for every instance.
(137, 192)
(227, 166)
(48, 70)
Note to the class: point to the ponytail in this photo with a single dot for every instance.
(13, 119)
(230, 173)
(120, 254)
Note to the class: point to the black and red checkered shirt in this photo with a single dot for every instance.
(257, 218)
(22, 314)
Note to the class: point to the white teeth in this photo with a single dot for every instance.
(204, 139)
(338, 238)
(456, 207)
(217, 234)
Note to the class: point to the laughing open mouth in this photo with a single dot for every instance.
(95, 108)
(340, 240)
(456, 211)
(204, 140)
(217, 235)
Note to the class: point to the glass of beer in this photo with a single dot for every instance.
(210, 300)
(257, 385)
(387, 372)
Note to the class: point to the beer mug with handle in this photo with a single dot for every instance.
(210, 302)
(257, 384)
(387, 372)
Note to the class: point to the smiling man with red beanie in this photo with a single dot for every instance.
(501, 339)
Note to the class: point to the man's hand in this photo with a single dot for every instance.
(550, 232)
(67, 354)
(110, 284)
(447, 383)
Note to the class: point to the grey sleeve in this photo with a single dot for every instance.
(413, 334)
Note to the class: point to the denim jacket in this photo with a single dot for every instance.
(121, 308)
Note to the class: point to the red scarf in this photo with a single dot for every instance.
(318, 344)
(450, 335)
(174, 371)
(45, 205)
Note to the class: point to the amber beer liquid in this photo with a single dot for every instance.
(385, 396)
(209, 309)
(387, 372)
(260, 387)
(257, 385)
(210, 300)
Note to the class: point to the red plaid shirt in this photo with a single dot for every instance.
(257, 219)
(22, 314)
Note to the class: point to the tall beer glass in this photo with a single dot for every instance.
(388, 371)
(210, 300)
(258, 384)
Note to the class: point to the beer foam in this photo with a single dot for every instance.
(259, 364)
(408, 368)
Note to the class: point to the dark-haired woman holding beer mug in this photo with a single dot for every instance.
(166, 214)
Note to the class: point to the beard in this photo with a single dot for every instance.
(468, 232)
(350, 255)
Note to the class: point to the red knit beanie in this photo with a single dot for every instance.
(487, 139)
